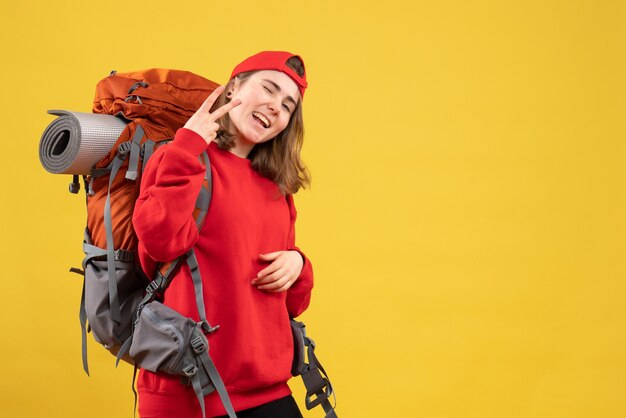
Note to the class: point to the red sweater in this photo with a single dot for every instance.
(248, 216)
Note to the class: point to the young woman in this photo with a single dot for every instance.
(254, 277)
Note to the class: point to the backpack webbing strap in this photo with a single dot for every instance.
(209, 366)
(135, 148)
(91, 251)
(82, 315)
(148, 149)
(204, 198)
(108, 226)
(318, 387)
(194, 269)
(197, 388)
(200, 348)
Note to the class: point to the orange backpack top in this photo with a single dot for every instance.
(160, 102)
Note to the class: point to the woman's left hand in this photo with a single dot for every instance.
(281, 274)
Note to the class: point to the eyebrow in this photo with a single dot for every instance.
(277, 87)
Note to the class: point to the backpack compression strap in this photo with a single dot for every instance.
(318, 387)
(123, 150)
(198, 345)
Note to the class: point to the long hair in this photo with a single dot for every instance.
(279, 158)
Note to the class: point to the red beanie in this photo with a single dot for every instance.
(272, 60)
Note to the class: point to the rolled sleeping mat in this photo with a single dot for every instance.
(75, 141)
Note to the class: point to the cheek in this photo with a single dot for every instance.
(236, 116)
(282, 123)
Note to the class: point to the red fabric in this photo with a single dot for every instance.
(253, 347)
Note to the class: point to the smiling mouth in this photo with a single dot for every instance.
(261, 119)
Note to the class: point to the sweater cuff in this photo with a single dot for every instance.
(306, 264)
(190, 141)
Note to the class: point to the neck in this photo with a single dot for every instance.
(241, 149)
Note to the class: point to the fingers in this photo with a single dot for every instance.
(268, 277)
(277, 287)
(281, 284)
(208, 103)
(270, 256)
(280, 274)
(221, 111)
(218, 113)
(273, 266)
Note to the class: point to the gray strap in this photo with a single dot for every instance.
(148, 149)
(202, 203)
(108, 226)
(132, 386)
(192, 262)
(204, 198)
(135, 149)
(82, 315)
(209, 366)
(201, 349)
(197, 388)
(124, 349)
(93, 251)
(318, 387)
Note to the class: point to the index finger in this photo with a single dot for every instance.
(208, 103)
(224, 109)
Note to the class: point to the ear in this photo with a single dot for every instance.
(234, 86)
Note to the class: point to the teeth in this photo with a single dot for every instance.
(262, 118)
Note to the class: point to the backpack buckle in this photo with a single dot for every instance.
(198, 345)
(318, 388)
(123, 149)
(153, 286)
(190, 370)
(124, 256)
(207, 328)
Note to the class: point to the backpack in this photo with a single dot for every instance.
(118, 300)
(154, 103)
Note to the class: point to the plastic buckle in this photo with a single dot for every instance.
(74, 185)
(152, 287)
(123, 255)
(74, 188)
(123, 149)
(198, 345)
(190, 370)
(207, 328)
(317, 386)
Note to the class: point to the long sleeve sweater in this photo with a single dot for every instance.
(248, 216)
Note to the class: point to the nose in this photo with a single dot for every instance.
(274, 106)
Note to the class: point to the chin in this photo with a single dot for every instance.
(255, 138)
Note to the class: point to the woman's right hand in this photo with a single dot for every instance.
(203, 122)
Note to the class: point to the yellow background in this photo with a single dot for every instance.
(467, 215)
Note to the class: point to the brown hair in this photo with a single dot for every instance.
(279, 158)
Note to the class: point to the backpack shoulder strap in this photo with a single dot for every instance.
(318, 386)
(165, 271)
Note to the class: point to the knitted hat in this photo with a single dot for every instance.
(272, 60)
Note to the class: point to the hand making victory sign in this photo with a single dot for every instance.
(203, 122)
